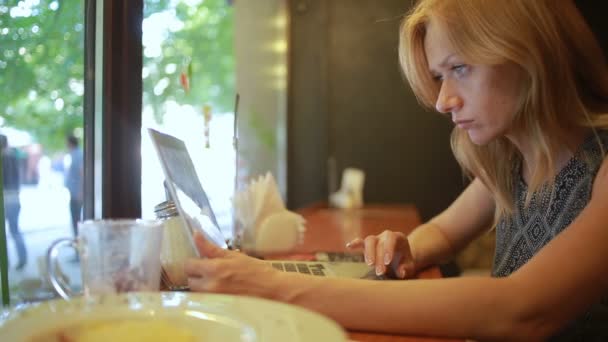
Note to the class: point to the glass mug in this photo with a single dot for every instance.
(119, 255)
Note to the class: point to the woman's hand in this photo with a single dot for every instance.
(388, 249)
(231, 272)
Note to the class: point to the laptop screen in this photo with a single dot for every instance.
(185, 187)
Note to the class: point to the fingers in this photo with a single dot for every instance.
(401, 272)
(205, 275)
(197, 267)
(403, 264)
(406, 269)
(202, 285)
(380, 267)
(397, 254)
(370, 249)
(206, 248)
(196, 284)
(388, 249)
(390, 241)
(356, 243)
(210, 254)
(385, 246)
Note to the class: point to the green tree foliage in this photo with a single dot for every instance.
(41, 63)
(42, 56)
(199, 45)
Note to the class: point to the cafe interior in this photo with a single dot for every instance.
(292, 108)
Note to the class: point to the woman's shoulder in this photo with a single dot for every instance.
(593, 150)
(596, 140)
(601, 178)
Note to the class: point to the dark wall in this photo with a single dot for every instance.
(348, 100)
(595, 13)
(307, 114)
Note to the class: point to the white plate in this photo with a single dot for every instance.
(211, 317)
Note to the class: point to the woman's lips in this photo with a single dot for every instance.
(464, 124)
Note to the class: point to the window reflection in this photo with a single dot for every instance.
(188, 81)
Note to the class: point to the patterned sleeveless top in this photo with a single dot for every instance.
(522, 235)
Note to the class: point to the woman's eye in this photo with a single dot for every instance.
(437, 78)
(460, 69)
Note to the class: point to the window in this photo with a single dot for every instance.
(180, 68)
(188, 91)
(41, 97)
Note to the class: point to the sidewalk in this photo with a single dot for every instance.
(44, 218)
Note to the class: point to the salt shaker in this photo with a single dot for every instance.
(176, 247)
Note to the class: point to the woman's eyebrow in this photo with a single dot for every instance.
(443, 63)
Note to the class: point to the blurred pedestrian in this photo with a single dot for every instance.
(12, 205)
(74, 180)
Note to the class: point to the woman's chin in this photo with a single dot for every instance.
(478, 138)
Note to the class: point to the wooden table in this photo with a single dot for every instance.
(328, 230)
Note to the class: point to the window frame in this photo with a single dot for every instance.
(112, 108)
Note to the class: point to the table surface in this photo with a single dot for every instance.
(328, 230)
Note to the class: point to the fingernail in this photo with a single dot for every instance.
(387, 259)
(348, 244)
(379, 270)
(402, 273)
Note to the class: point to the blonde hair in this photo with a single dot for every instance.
(566, 78)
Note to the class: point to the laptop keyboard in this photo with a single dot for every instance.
(340, 257)
(312, 269)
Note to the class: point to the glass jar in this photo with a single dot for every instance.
(176, 247)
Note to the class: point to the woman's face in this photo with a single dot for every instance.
(481, 99)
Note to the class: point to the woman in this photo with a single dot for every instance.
(527, 88)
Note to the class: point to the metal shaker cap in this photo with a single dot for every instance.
(165, 210)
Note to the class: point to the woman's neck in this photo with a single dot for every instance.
(570, 142)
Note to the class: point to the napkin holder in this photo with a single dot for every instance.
(266, 225)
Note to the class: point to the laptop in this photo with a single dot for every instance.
(194, 207)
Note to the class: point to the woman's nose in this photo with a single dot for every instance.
(447, 100)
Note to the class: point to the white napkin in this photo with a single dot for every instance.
(350, 195)
(268, 226)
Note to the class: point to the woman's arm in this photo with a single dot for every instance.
(560, 282)
(468, 307)
(449, 232)
(556, 285)
(433, 242)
